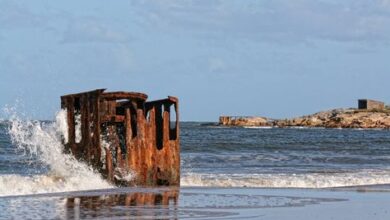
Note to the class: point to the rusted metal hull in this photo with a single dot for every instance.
(130, 141)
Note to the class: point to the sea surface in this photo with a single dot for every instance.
(31, 158)
(32, 163)
(283, 157)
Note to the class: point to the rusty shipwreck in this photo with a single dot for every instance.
(122, 134)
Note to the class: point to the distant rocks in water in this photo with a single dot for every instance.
(337, 118)
(243, 121)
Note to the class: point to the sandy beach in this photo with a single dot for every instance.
(365, 202)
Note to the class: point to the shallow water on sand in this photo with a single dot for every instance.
(202, 203)
(142, 203)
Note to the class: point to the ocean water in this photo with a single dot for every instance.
(39, 181)
(283, 157)
(31, 158)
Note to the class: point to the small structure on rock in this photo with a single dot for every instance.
(367, 104)
(129, 140)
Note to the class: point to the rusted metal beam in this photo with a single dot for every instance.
(124, 95)
(119, 134)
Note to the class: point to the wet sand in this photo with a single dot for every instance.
(371, 202)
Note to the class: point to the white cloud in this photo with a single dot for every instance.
(278, 20)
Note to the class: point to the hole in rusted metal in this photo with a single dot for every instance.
(77, 104)
(120, 110)
(134, 124)
(159, 127)
(147, 116)
(77, 119)
(120, 131)
(172, 123)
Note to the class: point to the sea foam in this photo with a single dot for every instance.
(43, 141)
(312, 180)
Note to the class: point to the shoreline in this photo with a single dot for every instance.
(205, 203)
(128, 190)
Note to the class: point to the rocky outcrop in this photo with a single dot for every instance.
(337, 118)
(243, 121)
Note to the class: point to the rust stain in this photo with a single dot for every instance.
(143, 137)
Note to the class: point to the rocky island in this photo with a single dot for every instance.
(369, 114)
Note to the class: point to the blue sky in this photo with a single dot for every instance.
(271, 58)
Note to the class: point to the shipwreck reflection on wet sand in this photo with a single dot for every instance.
(139, 204)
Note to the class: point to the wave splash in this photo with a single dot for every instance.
(312, 180)
(43, 141)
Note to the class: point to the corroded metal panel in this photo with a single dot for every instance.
(129, 140)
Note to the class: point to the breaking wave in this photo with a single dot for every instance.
(258, 127)
(317, 180)
(42, 140)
